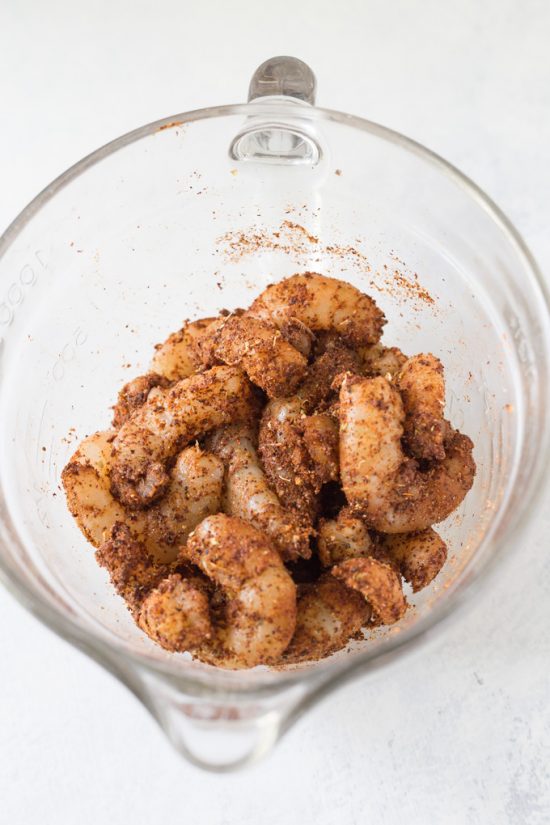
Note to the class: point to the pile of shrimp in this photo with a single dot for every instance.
(267, 487)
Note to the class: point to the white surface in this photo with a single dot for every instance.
(459, 734)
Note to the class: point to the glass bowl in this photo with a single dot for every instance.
(198, 212)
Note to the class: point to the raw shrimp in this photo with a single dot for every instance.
(260, 350)
(322, 303)
(194, 492)
(392, 493)
(345, 537)
(333, 358)
(88, 489)
(329, 614)
(248, 495)
(378, 583)
(321, 439)
(285, 458)
(258, 618)
(421, 383)
(380, 360)
(420, 556)
(133, 572)
(181, 354)
(161, 427)
(297, 334)
(176, 614)
(290, 468)
(134, 394)
(422, 386)
(171, 607)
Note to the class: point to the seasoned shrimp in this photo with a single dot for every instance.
(420, 556)
(161, 427)
(297, 334)
(171, 607)
(176, 614)
(260, 350)
(132, 570)
(380, 360)
(321, 439)
(335, 358)
(285, 458)
(345, 537)
(134, 394)
(393, 494)
(378, 583)
(248, 495)
(322, 303)
(329, 614)
(258, 618)
(290, 468)
(251, 625)
(181, 354)
(87, 487)
(271, 483)
(194, 492)
(422, 386)
(421, 383)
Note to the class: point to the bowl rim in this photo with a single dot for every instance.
(331, 672)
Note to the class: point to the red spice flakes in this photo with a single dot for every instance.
(170, 125)
(295, 240)
(412, 286)
(298, 228)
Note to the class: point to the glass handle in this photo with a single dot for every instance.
(283, 76)
(289, 140)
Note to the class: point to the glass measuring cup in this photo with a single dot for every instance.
(198, 212)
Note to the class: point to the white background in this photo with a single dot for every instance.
(459, 734)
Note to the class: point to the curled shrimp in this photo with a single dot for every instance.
(380, 360)
(285, 458)
(133, 572)
(248, 495)
(285, 436)
(88, 488)
(420, 556)
(421, 383)
(321, 303)
(176, 613)
(422, 386)
(251, 624)
(258, 617)
(393, 494)
(169, 603)
(258, 347)
(134, 394)
(298, 335)
(181, 354)
(329, 614)
(333, 357)
(345, 537)
(377, 582)
(194, 492)
(162, 426)
(321, 439)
